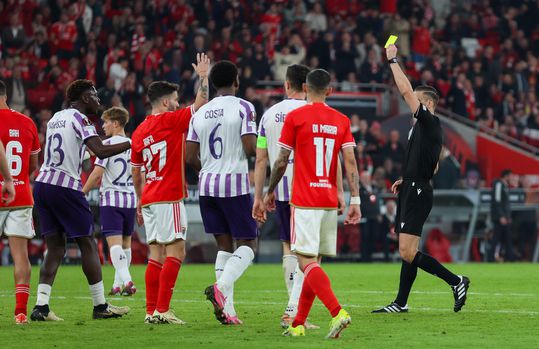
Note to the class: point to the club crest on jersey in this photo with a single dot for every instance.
(252, 116)
(13, 133)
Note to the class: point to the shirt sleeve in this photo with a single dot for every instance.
(288, 133)
(248, 117)
(262, 141)
(181, 118)
(36, 147)
(136, 153)
(348, 139)
(83, 127)
(192, 135)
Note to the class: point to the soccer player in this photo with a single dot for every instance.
(158, 145)
(267, 149)
(19, 133)
(117, 205)
(61, 205)
(415, 192)
(316, 133)
(223, 132)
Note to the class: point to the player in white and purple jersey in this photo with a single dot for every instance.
(223, 132)
(117, 204)
(269, 132)
(61, 205)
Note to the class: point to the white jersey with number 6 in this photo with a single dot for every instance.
(117, 185)
(218, 127)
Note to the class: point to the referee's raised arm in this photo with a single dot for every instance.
(403, 84)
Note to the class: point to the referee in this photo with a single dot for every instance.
(415, 192)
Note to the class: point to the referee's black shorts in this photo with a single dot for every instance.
(414, 203)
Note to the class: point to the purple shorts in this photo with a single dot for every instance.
(283, 217)
(229, 216)
(62, 210)
(117, 221)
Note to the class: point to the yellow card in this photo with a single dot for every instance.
(391, 41)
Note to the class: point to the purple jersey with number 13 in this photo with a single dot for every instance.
(218, 127)
(64, 150)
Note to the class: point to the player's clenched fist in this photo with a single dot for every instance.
(391, 51)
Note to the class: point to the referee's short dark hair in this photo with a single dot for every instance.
(429, 92)
(318, 81)
(77, 88)
(223, 74)
(296, 75)
(160, 89)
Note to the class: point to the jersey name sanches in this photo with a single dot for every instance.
(158, 144)
(270, 127)
(218, 127)
(316, 133)
(19, 136)
(64, 149)
(117, 185)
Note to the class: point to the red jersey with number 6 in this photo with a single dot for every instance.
(316, 133)
(19, 136)
(158, 144)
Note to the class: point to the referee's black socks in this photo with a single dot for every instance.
(432, 266)
(407, 278)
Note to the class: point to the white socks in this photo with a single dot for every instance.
(43, 294)
(220, 262)
(292, 307)
(290, 262)
(234, 268)
(120, 263)
(97, 291)
(127, 252)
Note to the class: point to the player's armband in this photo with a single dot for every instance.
(262, 142)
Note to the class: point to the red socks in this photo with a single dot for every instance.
(167, 280)
(22, 292)
(153, 272)
(317, 283)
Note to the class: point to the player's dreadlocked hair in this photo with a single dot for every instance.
(296, 74)
(77, 88)
(429, 92)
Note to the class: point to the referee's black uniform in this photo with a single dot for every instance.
(422, 155)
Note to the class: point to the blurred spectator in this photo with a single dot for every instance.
(316, 18)
(16, 91)
(394, 149)
(448, 173)
(287, 57)
(501, 218)
(370, 212)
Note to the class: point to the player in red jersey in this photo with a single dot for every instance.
(19, 134)
(316, 133)
(158, 144)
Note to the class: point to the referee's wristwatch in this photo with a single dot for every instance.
(393, 60)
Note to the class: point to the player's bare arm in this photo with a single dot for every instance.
(249, 144)
(93, 180)
(138, 183)
(259, 210)
(8, 190)
(202, 69)
(104, 151)
(352, 176)
(340, 189)
(34, 158)
(192, 155)
(402, 82)
(279, 168)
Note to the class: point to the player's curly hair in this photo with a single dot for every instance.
(429, 92)
(223, 74)
(77, 88)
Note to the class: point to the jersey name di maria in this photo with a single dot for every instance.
(316, 133)
(117, 185)
(270, 128)
(19, 136)
(64, 149)
(218, 127)
(158, 144)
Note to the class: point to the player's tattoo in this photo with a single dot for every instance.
(354, 187)
(204, 88)
(279, 168)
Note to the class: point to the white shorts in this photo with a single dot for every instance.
(313, 232)
(17, 222)
(165, 223)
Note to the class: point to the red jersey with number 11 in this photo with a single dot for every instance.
(316, 133)
(158, 144)
(19, 136)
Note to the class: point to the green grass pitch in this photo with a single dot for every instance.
(502, 311)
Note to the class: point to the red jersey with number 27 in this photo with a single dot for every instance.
(158, 144)
(316, 133)
(19, 136)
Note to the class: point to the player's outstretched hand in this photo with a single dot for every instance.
(269, 202)
(202, 68)
(140, 220)
(395, 186)
(391, 52)
(342, 204)
(259, 211)
(8, 192)
(354, 215)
